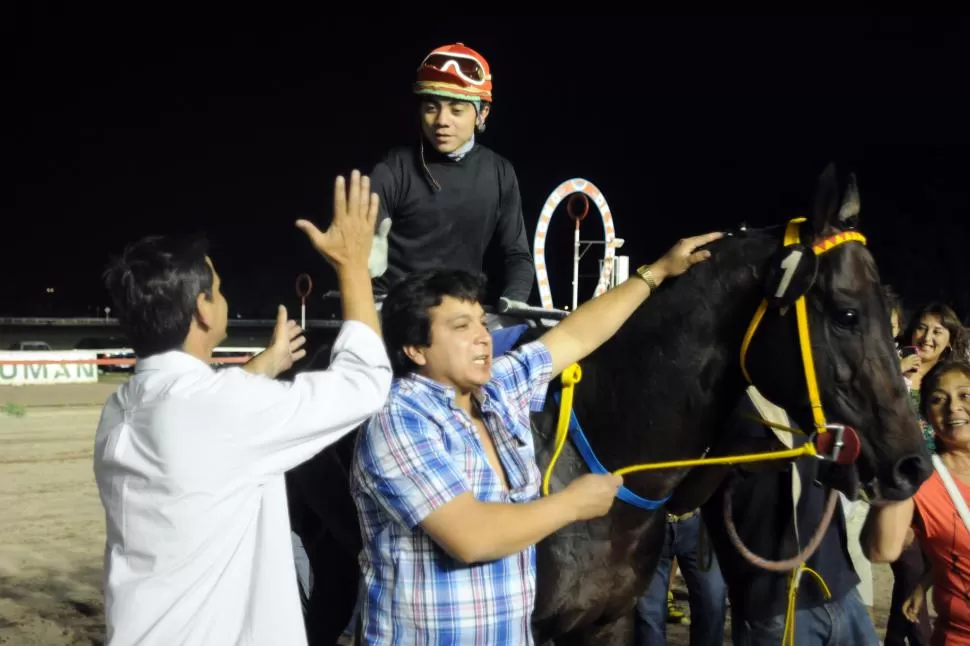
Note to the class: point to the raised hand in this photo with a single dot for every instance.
(285, 348)
(347, 241)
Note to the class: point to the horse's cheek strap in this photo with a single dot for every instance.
(808, 360)
(791, 237)
(804, 337)
(752, 328)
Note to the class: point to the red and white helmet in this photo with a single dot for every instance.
(456, 72)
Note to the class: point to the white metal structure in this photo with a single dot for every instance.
(611, 265)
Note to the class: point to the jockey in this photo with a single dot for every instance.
(447, 201)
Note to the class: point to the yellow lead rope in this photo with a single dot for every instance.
(574, 374)
(570, 377)
(789, 635)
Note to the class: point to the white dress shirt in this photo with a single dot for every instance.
(190, 463)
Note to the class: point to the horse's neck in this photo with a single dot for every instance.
(659, 388)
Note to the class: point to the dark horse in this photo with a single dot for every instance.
(660, 390)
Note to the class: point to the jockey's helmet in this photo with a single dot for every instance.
(455, 72)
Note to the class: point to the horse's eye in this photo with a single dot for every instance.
(847, 318)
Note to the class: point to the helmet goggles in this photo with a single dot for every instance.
(467, 67)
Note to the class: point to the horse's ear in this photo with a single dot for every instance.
(834, 207)
(851, 205)
(826, 200)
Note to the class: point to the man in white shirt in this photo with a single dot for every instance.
(190, 461)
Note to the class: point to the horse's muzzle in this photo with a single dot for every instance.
(908, 474)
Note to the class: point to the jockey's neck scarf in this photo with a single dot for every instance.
(461, 152)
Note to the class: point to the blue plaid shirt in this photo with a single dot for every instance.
(418, 453)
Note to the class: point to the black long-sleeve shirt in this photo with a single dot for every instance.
(455, 218)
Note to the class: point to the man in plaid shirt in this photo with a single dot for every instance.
(445, 478)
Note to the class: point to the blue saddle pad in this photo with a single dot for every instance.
(504, 338)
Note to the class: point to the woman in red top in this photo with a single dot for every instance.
(933, 517)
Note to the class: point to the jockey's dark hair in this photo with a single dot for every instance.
(406, 316)
(932, 380)
(154, 285)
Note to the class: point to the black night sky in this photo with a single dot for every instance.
(131, 120)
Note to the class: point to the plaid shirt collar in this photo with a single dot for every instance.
(444, 393)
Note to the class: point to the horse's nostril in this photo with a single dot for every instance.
(910, 472)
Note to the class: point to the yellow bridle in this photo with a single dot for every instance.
(804, 339)
(573, 374)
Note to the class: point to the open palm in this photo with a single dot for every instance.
(348, 239)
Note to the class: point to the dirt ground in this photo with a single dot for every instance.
(61, 395)
(50, 553)
(53, 534)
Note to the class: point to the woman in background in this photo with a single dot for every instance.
(933, 335)
(937, 517)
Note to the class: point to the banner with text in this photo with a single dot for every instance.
(35, 368)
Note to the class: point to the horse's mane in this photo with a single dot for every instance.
(687, 307)
(686, 302)
(677, 354)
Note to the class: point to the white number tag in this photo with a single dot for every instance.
(789, 264)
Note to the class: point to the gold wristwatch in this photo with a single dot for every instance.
(644, 272)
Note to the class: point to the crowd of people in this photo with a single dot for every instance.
(934, 360)
(190, 460)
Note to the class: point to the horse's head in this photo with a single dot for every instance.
(850, 343)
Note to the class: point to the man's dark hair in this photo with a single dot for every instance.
(405, 314)
(154, 285)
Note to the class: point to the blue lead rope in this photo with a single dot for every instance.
(595, 466)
